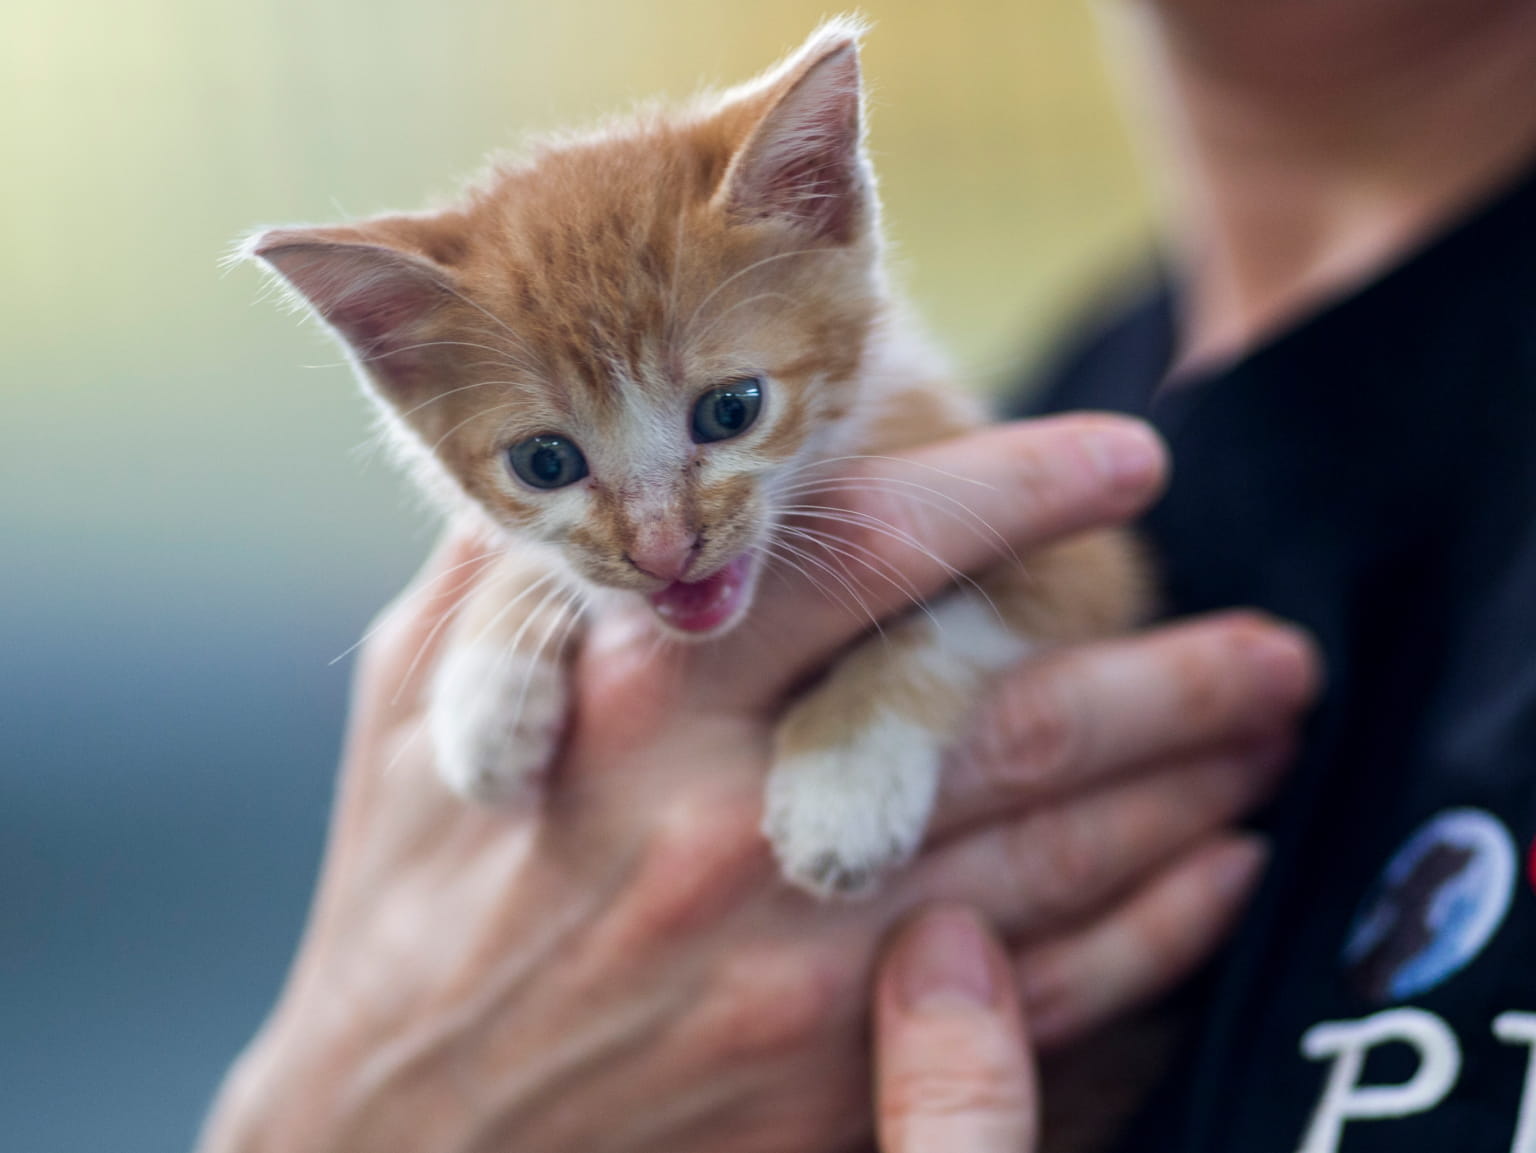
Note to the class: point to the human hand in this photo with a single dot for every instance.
(954, 1072)
(623, 971)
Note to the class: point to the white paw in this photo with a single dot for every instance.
(496, 721)
(840, 818)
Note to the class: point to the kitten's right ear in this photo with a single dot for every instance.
(379, 299)
(804, 161)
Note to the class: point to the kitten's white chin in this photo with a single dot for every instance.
(706, 608)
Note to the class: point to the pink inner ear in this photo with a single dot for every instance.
(802, 162)
(375, 311)
(374, 296)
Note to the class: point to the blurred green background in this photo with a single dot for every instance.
(192, 525)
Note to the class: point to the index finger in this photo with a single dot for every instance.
(904, 527)
(398, 651)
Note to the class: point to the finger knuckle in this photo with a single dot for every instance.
(1056, 474)
(1046, 981)
(633, 690)
(1063, 856)
(704, 857)
(768, 1003)
(1035, 737)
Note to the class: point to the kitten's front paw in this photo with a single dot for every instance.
(840, 818)
(496, 721)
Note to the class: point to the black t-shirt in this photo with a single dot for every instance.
(1371, 474)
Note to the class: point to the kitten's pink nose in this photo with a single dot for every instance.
(664, 555)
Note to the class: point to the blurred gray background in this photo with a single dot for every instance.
(191, 524)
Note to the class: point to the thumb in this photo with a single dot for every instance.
(953, 1071)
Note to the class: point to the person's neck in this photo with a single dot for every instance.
(1317, 141)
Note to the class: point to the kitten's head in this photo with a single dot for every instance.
(627, 347)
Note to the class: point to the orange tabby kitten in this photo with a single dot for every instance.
(681, 313)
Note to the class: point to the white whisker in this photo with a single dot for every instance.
(756, 264)
(417, 730)
(775, 557)
(839, 546)
(421, 651)
(491, 316)
(453, 392)
(402, 602)
(576, 599)
(874, 485)
(723, 313)
(499, 614)
(875, 524)
(858, 601)
(856, 456)
(470, 419)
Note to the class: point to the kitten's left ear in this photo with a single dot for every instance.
(378, 297)
(804, 161)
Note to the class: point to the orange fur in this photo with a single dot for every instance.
(595, 291)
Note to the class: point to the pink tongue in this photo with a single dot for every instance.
(699, 606)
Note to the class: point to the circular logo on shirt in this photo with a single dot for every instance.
(1440, 899)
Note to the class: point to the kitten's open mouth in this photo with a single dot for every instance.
(705, 605)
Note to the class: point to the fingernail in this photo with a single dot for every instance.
(1126, 454)
(1240, 866)
(944, 961)
(1284, 659)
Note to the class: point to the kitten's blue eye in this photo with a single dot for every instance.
(547, 461)
(727, 411)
